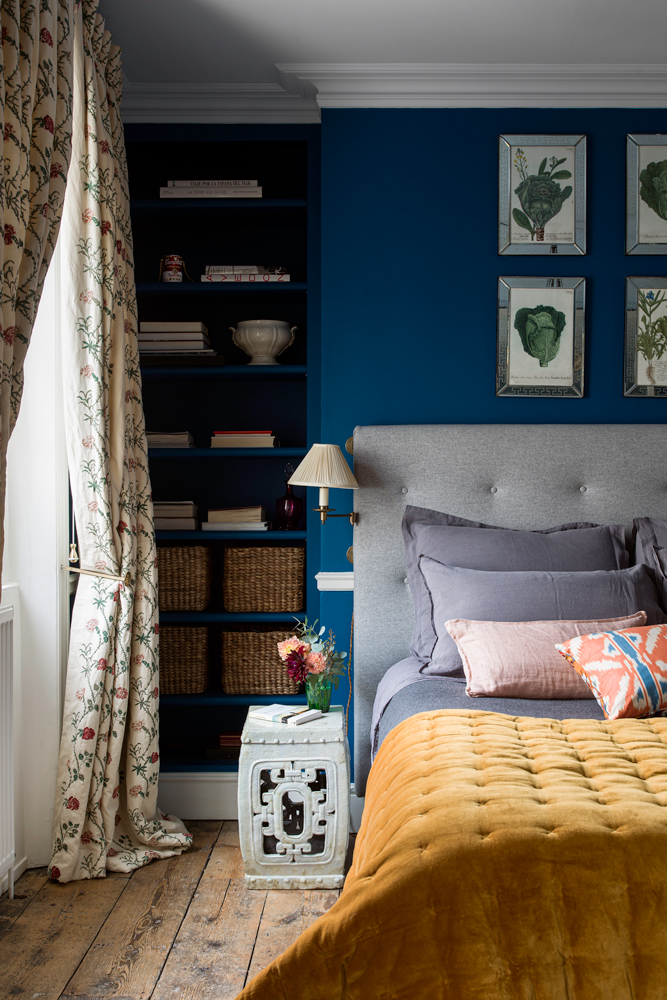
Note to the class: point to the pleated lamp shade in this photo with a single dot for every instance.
(324, 465)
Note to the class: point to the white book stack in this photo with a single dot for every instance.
(169, 439)
(237, 519)
(250, 274)
(185, 337)
(292, 715)
(244, 439)
(211, 189)
(175, 515)
(254, 278)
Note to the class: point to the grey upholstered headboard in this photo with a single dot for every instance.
(515, 476)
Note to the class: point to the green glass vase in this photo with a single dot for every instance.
(318, 691)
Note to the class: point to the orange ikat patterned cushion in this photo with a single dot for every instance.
(625, 670)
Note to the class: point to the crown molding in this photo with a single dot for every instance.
(304, 88)
(223, 103)
(472, 85)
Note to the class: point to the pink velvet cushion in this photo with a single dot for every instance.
(520, 660)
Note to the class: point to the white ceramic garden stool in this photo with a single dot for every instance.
(294, 787)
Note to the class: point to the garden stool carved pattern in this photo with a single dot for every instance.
(294, 785)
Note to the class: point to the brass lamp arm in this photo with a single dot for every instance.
(326, 512)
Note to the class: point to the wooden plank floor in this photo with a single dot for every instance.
(186, 928)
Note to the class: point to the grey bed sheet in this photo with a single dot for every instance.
(403, 692)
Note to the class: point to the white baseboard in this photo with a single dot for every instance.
(206, 795)
(19, 868)
(199, 794)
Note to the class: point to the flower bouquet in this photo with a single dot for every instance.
(313, 660)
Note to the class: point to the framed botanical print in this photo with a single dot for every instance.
(646, 194)
(541, 337)
(542, 194)
(645, 369)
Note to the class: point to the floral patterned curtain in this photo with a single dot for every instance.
(36, 109)
(106, 814)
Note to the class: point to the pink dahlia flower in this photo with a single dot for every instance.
(316, 663)
(288, 646)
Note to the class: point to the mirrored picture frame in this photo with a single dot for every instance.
(645, 354)
(646, 195)
(542, 195)
(541, 337)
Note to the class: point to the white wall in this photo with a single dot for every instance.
(36, 536)
(10, 597)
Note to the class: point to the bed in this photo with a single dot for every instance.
(509, 850)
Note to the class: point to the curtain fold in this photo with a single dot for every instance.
(106, 814)
(36, 109)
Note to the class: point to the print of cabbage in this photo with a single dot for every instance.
(541, 197)
(653, 190)
(540, 329)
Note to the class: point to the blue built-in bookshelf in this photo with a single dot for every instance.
(282, 228)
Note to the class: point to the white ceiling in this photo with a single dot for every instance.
(240, 41)
(263, 60)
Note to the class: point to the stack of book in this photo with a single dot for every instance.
(237, 519)
(175, 515)
(244, 439)
(292, 715)
(211, 189)
(228, 748)
(249, 273)
(187, 337)
(175, 439)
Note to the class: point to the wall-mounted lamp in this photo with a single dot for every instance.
(324, 466)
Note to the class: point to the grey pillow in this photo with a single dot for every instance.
(455, 592)
(456, 541)
(650, 541)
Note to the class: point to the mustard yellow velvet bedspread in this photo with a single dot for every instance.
(499, 858)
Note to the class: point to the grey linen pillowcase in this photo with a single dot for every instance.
(573, 547)
(455, 592)
(651, 550)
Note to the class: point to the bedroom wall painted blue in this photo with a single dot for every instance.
(410, 269)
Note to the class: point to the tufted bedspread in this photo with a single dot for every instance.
(499, 858)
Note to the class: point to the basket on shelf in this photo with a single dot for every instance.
(264, 578)
(183, 659)
(251, 665)
(184, 577)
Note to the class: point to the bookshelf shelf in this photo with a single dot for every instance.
(228, 536)
(281, 372)
(246, 204)
(192, 762)
(203, 394)
(219, 698)
(209, 617)
(267, 289)
(222, 453)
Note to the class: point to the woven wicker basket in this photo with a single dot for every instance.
(183, 659)
(264, 579)
(251, 665)
(184, 577)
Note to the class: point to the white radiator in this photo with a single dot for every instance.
(7, 847)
